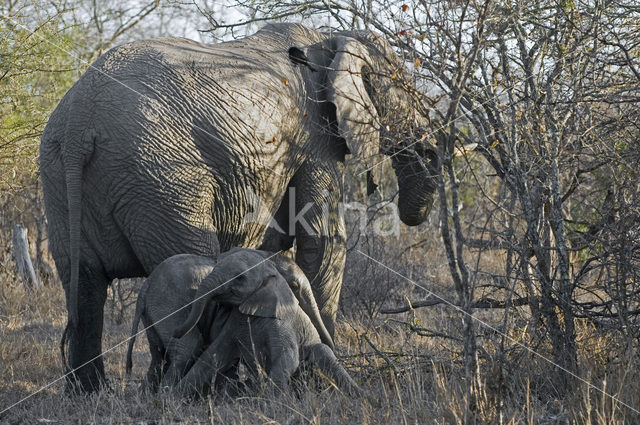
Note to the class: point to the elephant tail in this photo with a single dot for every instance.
(140, 304)
(74, 157)
(74, 198)
(321, 356)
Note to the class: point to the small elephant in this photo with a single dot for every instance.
(266, 328)
(163, 305)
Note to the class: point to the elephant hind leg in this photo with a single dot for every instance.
(158, 364)
(85, 367)
(83, 358)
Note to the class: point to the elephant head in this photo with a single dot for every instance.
(245, 279)
(369, 96)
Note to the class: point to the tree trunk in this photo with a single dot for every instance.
(23, 259)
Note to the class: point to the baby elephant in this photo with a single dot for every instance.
(163, 305)
(266, 328)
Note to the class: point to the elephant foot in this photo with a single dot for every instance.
(227, 389)
(88, 379)
(171, 378)
(190, 392)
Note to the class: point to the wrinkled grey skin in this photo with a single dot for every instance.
(163, 305)
(266, 328)
(156, 148)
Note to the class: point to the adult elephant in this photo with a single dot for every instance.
(160, 147)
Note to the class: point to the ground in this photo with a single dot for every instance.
(407, 378)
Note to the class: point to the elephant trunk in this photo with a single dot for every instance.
(310, 307)
(208, 288)
(322, 357)
(417, 180)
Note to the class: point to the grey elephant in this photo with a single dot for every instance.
(265, 327)
(167, 146)
(165, 300)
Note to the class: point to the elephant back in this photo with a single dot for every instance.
(290, 34)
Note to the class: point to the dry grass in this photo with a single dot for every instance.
(408, 379)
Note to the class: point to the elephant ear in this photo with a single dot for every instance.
(272, 299)
(358, 121)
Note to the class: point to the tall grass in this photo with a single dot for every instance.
(407, 378)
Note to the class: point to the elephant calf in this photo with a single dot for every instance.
(163, 305)
(266, 328)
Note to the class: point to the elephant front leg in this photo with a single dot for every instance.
(218, 356)
(182, 353)
(321, 236)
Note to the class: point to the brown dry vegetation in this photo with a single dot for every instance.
(407, 378)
